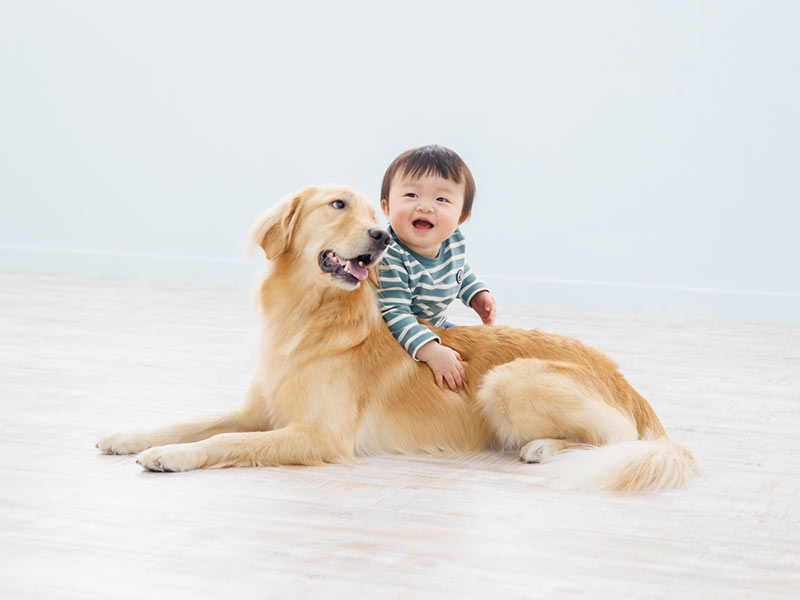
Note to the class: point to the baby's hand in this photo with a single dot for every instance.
(444, 362)
(485, 305)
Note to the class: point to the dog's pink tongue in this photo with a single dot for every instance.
(356, 270)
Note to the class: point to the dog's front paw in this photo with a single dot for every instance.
(172, 458)
(124, 443)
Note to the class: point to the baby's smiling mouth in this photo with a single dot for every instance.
(422, 224)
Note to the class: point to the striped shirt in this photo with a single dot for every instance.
(413, 287)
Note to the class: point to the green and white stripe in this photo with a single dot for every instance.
(413, 287)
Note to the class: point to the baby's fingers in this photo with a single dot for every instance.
(460, 376)
(439, 380)
(452, 382)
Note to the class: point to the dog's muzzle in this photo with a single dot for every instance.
(355, 269)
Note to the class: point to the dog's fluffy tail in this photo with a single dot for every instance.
(635, 466)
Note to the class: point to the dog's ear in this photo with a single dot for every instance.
(274, 229)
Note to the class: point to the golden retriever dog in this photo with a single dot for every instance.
(332, 382)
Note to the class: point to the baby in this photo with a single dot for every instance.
(426, 194)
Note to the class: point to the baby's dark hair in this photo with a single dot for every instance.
(432, 159)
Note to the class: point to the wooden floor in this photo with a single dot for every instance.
(82, 358)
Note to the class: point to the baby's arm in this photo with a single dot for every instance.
(444, 362)
(477, 296)
(394, 296)
(420, 342)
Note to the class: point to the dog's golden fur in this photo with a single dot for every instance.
(332, 382)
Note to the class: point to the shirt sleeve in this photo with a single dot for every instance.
(394, 295)
(470, 285)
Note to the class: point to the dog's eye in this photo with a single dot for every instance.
(338, 204)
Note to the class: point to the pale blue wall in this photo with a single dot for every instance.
(629, 156)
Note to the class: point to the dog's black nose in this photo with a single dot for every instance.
(379, 235)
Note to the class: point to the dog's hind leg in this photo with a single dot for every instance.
(251, 417)
(546, 407)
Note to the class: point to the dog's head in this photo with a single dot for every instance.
(331, 228)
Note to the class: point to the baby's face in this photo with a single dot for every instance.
(424, 211)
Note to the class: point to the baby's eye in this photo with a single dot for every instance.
(338, 204)
(441, 199)
(409, 195)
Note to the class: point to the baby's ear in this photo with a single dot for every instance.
(274, 229)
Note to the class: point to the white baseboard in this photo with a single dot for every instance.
(589, 296)
(90, 263)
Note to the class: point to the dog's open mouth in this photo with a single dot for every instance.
(349, 269)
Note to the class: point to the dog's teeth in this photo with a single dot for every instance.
(361, 263)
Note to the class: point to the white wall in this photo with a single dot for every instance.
(629, 156)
